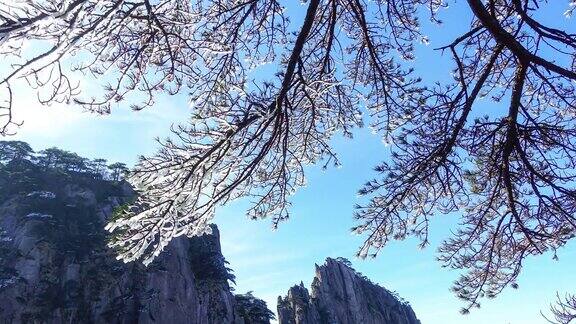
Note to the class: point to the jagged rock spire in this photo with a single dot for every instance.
(342, 295)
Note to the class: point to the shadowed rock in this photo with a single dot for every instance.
(55, 266)
(340, 295)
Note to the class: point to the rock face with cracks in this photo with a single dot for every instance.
(55, 266)
(340, 295)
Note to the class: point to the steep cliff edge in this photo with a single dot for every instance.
(55, 266)
(341, 295)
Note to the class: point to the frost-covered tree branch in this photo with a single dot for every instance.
(564, 311)
(511, 174)
(255, 143)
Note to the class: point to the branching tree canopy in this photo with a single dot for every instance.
(510, 174)
(57, 159)
(564, 311)
(14, 150)
(253, 310)
(117, 171)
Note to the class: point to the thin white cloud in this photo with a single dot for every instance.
(47, 121)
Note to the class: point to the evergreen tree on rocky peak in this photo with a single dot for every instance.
(510, 175)
(117, 171)
(99, 166)
(14, 150)
(58, 159)
(253, 310)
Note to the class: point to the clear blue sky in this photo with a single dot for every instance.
(270, 262)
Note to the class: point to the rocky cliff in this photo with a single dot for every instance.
(55, 266)
(340, 295)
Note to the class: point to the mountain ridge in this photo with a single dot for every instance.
(55, 265)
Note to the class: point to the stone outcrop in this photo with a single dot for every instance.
(55, 266)
(340, 295)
